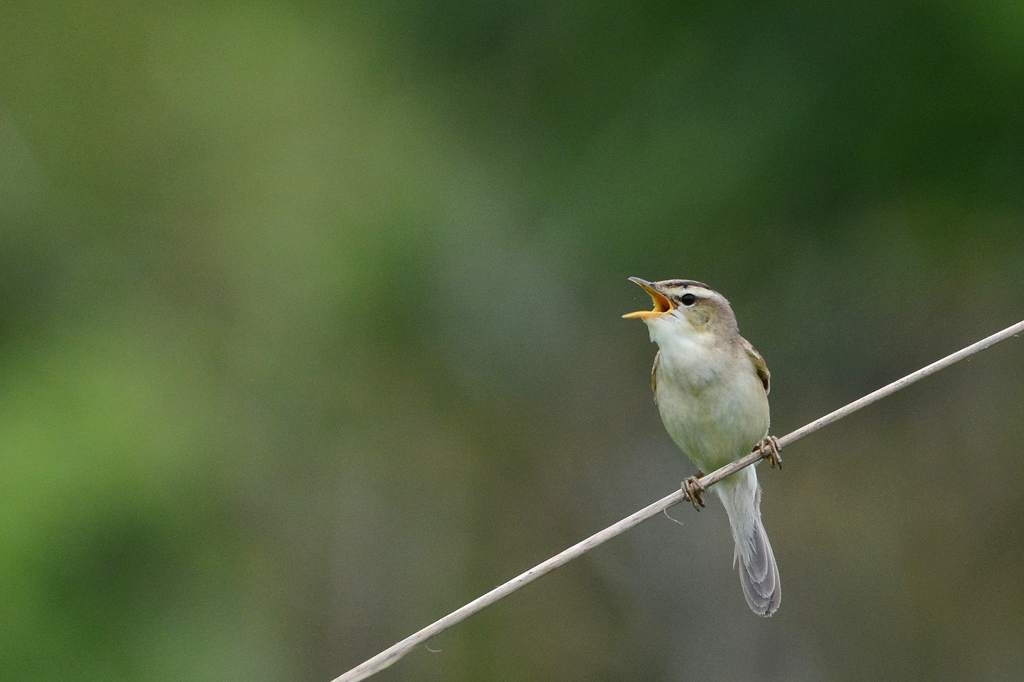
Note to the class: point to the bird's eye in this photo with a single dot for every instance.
(688, 299)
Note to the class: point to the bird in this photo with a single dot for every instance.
(711, 387)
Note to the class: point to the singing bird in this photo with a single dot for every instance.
(711, 387)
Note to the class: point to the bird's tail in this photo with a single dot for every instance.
(759, 574)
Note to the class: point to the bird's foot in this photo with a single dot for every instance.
(770, 450)
(694, 490)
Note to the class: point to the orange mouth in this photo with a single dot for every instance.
(660, 301)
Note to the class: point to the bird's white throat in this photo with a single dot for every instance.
(687, 354)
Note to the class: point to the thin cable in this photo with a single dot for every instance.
(397, 651)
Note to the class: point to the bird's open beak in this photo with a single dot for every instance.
(660, 301)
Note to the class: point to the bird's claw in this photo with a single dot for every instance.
(694, 490)
(770, 450)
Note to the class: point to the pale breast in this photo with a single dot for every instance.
(712, 403)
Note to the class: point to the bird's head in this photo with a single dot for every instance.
(683, 306)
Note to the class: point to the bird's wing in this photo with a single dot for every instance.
(654, 375)
(759, 365)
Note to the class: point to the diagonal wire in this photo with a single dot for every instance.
(397, 651)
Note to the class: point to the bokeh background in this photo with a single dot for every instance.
(309, 333)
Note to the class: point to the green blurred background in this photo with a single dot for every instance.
(309, 333)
